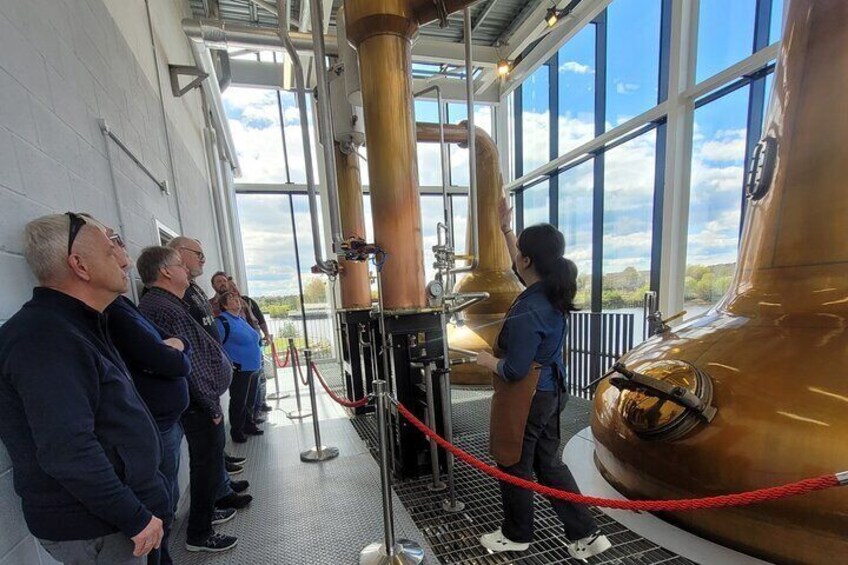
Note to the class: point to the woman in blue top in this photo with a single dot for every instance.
(530, 391)
(241, 343)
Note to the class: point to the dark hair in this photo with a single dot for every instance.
(151, 260)
(226, 298)
(220, 274)
(544, 245)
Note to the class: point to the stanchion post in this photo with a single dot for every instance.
(437, 485)
(319, 452)
(298, 414)
(450, 504)
(277, 394)
(391, 551)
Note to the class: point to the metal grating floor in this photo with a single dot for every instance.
(454, 537)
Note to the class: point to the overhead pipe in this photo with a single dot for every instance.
(212, 92)
(216, 34)
(474, 257)
(325, 122)
(300, 93)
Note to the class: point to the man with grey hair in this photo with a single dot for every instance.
(166, 277)
(84, 447)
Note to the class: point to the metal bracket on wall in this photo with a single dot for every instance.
(108, 133)
(176, 71)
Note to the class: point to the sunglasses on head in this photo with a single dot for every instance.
(77, 222)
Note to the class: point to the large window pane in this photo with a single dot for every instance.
(535, 119)
(577, 90)
(460, 223)
(294, 138)
(537, 204)
(255, 123)
(633, 58)
(272, 273)
(628, 226)
(431, 214)
(575, 223)
(458, 156)
(718, 155)
(776, 28)
(429, 159)
(725, 35)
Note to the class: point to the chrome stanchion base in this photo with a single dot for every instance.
(457, 506)
(278, 396)
(298, 414)
(316, 454)
(437, 487)
(406, 552)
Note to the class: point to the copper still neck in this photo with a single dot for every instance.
(353, 275)
(794, 253)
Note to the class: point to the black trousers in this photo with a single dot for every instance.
(540, 454)
(242, 396)
(205, 451)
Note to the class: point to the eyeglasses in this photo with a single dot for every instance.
(180, 265)
(117, 240)
(200, 254)
(77, 222)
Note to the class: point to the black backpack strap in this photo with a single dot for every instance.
(226, 323)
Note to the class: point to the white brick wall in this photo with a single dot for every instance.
(63, 65)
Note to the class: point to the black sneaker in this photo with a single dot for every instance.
(234, 459)
(239, 486)
(233, 469)
(215, 543)
(234, 500)
(238, 438)
(254, 431)
(223, 515)
(265, 407)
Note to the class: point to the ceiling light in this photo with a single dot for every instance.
(551, 16)
(503, 67)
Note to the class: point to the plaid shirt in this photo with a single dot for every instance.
(211, 371)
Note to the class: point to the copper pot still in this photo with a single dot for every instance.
(774, 350)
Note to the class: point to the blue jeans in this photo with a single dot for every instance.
(172, 439)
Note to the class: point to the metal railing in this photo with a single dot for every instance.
(595, 342)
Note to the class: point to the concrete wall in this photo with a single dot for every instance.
(63, 65)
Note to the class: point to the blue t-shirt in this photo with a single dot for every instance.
(533, 331)
(242, 343)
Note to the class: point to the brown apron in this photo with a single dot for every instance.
(510, 408)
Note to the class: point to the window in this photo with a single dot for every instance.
(633, 58)
(535, 117)
(537, 204)
(725, 35)
(576, 74)
(776, 27)
(628, 225)
(431, 214)
(460, 223)
(575, 223)
(294, 138)
(255, 124)
(718, 156)
(429, 159)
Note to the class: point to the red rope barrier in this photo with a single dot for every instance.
(299, 370)
(346, 403)
(739, 499)
(276, 356)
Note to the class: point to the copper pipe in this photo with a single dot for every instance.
(493, 273)
(353, 275)
(776, 346)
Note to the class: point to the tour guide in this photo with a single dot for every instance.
(530, 391)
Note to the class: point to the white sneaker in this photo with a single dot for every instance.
(496, 541)
(589, 546)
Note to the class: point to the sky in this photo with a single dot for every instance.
(725, 37)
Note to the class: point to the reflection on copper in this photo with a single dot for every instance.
(774, 332)
(494, 271)
(353, 275)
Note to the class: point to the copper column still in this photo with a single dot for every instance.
(353, 275)
(773, 353)
(382, 32)
(494, 270)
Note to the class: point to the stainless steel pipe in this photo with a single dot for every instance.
(319, 452)
(437, 484)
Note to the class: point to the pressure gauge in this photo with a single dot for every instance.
(435, 293)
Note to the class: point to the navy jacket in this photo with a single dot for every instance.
(160, 372)
(533, 331)
(84, 448)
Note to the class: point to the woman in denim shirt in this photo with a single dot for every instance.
(530, 391)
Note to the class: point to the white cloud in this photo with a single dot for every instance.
(726, 146)
(622, 87)
(575, 67)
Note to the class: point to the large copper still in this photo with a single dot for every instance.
(493, 274)
(771, 356)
